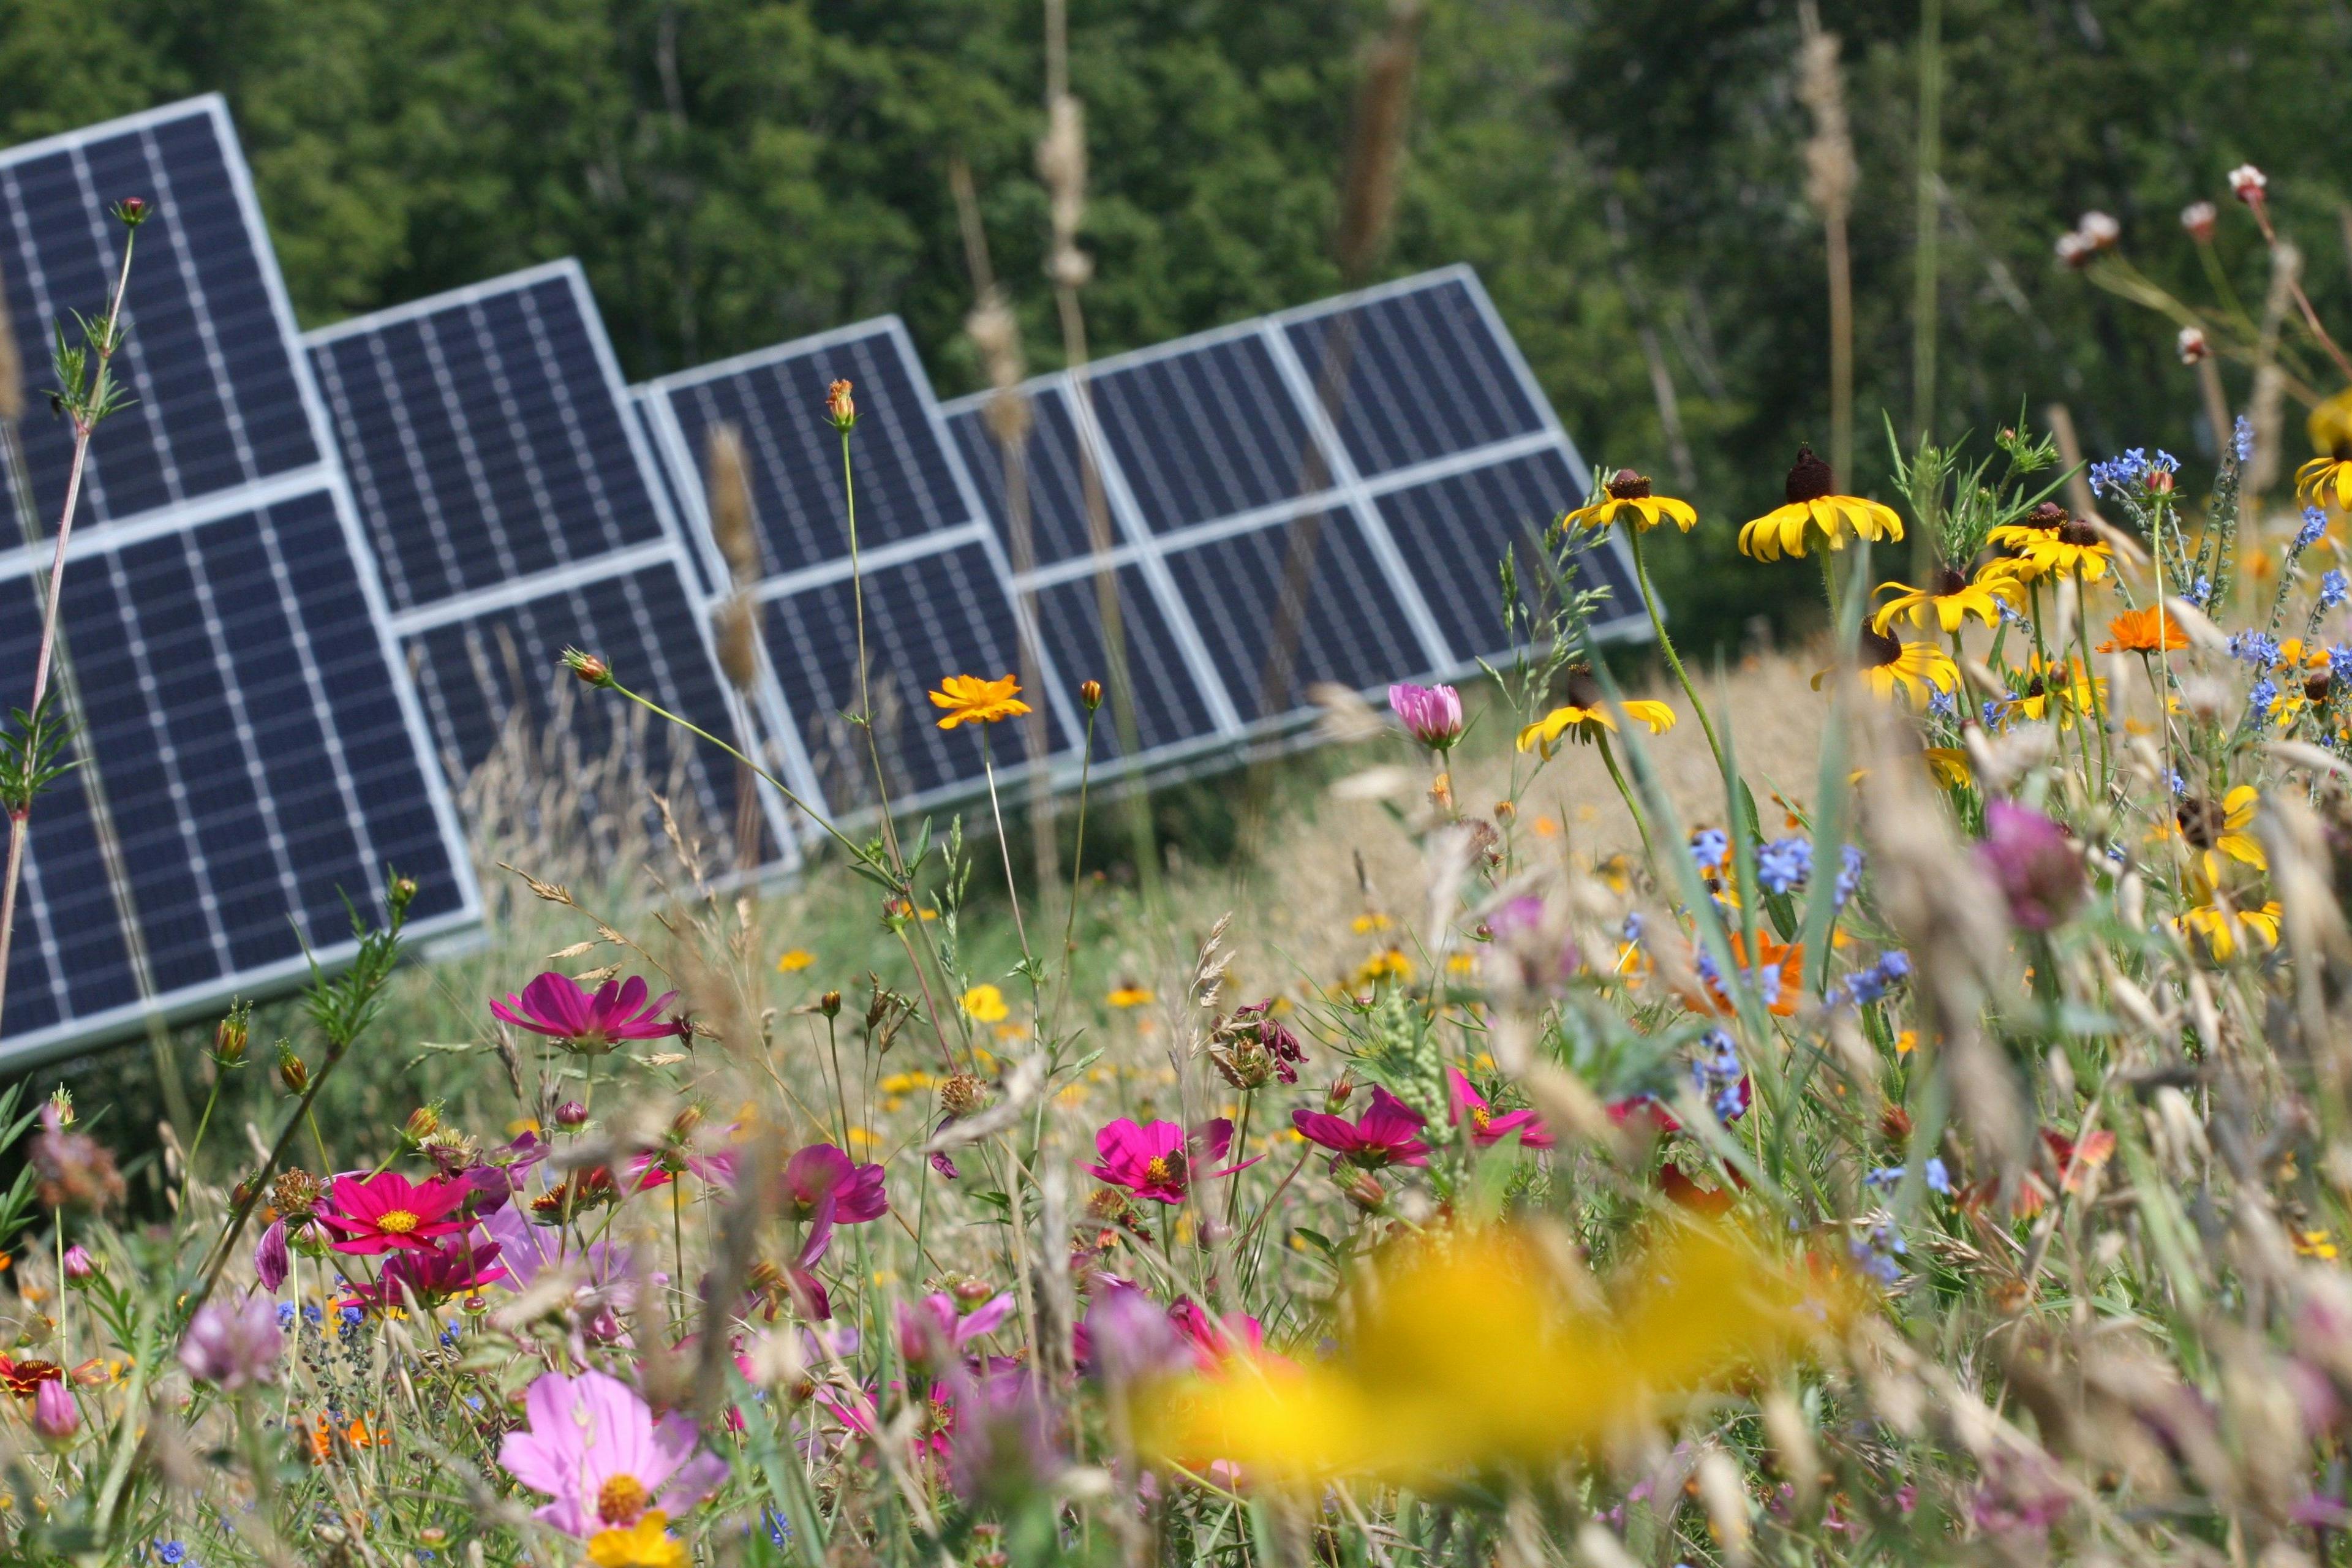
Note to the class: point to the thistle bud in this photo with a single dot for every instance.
(61, 1108)
(229, 1035)
(840, 407)
(962, 1094)
(1090, 693)
(571, 1113)
(291, 1069)
(829, 1004)
(131, 211)
(2199, 219)
(591, 670)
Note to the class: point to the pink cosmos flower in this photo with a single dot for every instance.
(1155, 1161)
(270, 1260)
(1487, 1129)
(588, 1021)
(933, 1326)
(233, 1344)
(594, 1446)
(821, 1171)
(1215, 1340)
(1387, 1133)
(388, 1213)
(459, 1269)
(1430, 714)
(55, 1414)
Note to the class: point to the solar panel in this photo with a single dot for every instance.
(938, 590)
(249, 750)
(1380, 451)
(257, 762)
(217, 401)
(511, 496)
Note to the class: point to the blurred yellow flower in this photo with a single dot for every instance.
(1588, 723)
(1389, 965)
(1545, 827)
(970, 699)
(986, 1003)
(2226, 932)
(1127, 993)
(1948, 601)
(793, 960)
(1949, 766)
(2313, 1243)
(1371, 920)
(2216, 830)
(1627, 496)
(644, 1544)
(1812, 507)
(1466, 1352)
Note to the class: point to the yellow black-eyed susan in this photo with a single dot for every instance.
(1813, 509)
(1628, 498)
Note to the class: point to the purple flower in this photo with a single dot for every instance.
(55, 1416)
(2033, 863)
(269, 1259)
(594, 1444)
(821, 1171)
(588, 1021)
(79, 1264)
(1127, 1339)
(234, 1346)
(933, 1328)
(1430, 714)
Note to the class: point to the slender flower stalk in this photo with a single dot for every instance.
(87, 402)
(1666, 645)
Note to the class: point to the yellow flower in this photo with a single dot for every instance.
(793, 960)
(2226, 932)
(2048, 542)
(986, 1003)
(1906, 1042)
(1586, 724)
(1464, 1353)
(1391, 964)
(1813, 506)
(2217, 829)
(2328, 477)
(969, 699)
(1371, 922)
(1127, 993)
(1919, 670)
(644, 1544)
(2312, 1244)
(1462, 964)
(1949, 766)
(1628, 496)
(2057, 692)
(1950, 600)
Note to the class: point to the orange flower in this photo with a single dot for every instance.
(970, 700)
(2144, 631)
(1779, 976)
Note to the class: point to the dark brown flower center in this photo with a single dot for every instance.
(1877, 649)
(2081, 535)
(1629, 486)
(2203, 821)
(1583, 691)
(2048, 514)
(1948, 581)
(1809, 479)
(2315, 688)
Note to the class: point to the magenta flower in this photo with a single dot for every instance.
(1430, 714)
(1487, 1129)
(388, 1213)
(588, 1021)
(1155, 1161)
(593, 1445)
(269, 1256)
(55, 1416)
(933, 1326)
(2029, 860)
(821, 1171)
(1387, 1133)
(234, 1346)
(1215, 1340)
(432, 1277)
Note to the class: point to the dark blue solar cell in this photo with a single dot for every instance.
(216, 401)
(641, 408)
(1207, 432)
(495, 696)
(1058, 526)
(906, 484)
(1414, 375)
(485, 439)
(1285, 607)
(254, 759)
(1452, 532)
(941, 615)
(1169, 706)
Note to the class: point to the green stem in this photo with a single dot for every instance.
(1609, 759)
(1667, 647)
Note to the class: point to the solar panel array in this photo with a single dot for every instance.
(319, 586)
(1319, 496)
(251, 758)
(515, 510)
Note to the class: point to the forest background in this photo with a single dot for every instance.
(1628, 177)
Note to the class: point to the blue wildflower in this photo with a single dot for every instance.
(1633, 930)
(2314, 523)
(2241, 438)
(172, 1551)
(2258, 649)
(2334, 588)
(1943, 705)
(1784, 863)
(2178, 784)
(1719, 1077)
(1938, 1179)
(1884, 1176)
(1848, 874)
(284, 1314)
(2259, 701)
(2201, 593)
(2339, 665)
(1876, 1254)
(1708, 845)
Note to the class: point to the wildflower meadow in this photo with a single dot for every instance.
(1590, 1127)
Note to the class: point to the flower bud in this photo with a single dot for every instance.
(79, 1264)
(2193, 346)
(971, 1292)
(1365, 1192)
(131, 211)
(270, 1261)
(962, 1094)
(2198, 218)
(2247, 183)
(229, 1035)
(840, 407)
(401, 893)
(55, 1416)
(829, 1004)
(1505, 810)
(2032, 861)
(61, 1106)
(291, 1070)
(591, 670)
(423, 1122)
(897, 912)
(1090, 693)
(571, 1113)
(1340, 1090)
